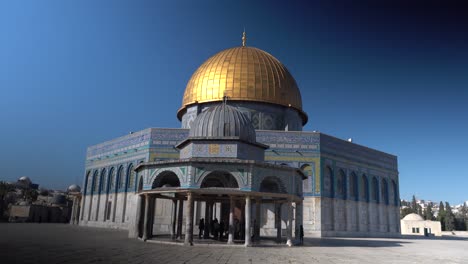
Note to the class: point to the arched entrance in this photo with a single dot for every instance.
(215, 209)
(166, 179)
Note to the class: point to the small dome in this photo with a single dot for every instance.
(221, 121)
(74, 188)
(24, 179)
(413, 217)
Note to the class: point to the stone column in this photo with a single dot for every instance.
(206, 231)
(151, 218)
(248, 240)
(278, 222)
(258, 208)
(290, 222)
(179, 219)
(133, 230)
(189, 221)
(210, 216)
(174, 219)
(231, 221)
(73, 213)
(145, 223)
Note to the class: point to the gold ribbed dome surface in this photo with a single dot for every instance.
(242, 74)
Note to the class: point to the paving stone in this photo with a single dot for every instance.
(59, 243)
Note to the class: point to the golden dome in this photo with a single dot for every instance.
(243, 74)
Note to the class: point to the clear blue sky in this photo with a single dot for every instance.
(393, 77)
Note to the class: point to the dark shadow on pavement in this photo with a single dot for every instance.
(352, 242)
(436, 238)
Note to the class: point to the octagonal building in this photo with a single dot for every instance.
(243, 164)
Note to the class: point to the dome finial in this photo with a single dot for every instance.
(225, 98)
(244, 39)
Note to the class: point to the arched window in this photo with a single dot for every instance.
(102, 180)
(131, 178)
(364, 188)
(375, 189)
(384, 191)
(87, 183)
(95, 182)
(112, 180)
(353, 186)
(395, 193)
(328, 186)
(121, 177)
(341, 184)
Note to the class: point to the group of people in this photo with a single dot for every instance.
(217, 229)
(219, 232)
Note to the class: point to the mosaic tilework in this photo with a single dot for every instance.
(353, 152)
(121, 144)
(294, 139)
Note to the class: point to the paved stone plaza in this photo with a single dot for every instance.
(59, 243)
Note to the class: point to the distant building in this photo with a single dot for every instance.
(414, 224)
(27, 204)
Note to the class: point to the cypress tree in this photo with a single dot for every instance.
(464, 211)
(428, 214)
(449, 218)
(441, 215)
(414, 205)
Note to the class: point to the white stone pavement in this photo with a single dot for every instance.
(59, 243)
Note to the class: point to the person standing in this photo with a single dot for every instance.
(301, 234)
(201, 227)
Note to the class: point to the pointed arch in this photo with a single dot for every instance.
(353, 186)
(165, 179)
(111, 183)
(364, 188)
(328, 182)
(86, 183)
(375, 189)
(272, 184)
(384, 192)
(221, 179)
(120, 177)
(95, 182)
(131, 177)
(102, 181)
(341, 184)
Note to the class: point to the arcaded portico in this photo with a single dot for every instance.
(228, 180)
(210, 197)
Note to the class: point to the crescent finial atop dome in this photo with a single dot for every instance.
(244, 38)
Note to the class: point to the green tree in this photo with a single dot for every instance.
(428, 214)
(441, 215)
(464, 214)
(449, 218)
(414, 204)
